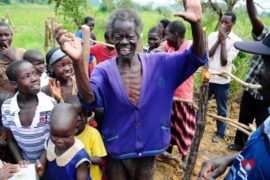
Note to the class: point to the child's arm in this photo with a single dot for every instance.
(96, 160)
(82, 171)
(41, 164)
(14, 148)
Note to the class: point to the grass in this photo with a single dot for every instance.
(29, 32)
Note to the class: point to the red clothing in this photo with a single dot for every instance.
(185, 90)
(101, 54)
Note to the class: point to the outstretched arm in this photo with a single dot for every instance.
(257, 25)
(72, 47)
(193, 14)
(214, 168)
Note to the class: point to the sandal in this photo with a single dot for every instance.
(235, 147)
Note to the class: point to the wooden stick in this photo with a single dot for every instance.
(86, 46)
(99, 42)
(46, 42)
(243, 83)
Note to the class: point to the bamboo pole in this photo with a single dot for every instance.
(86, 46)
(46, 42)
(99, 42)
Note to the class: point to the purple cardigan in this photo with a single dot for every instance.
(144, 130)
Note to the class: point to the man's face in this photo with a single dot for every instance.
(264, 79)
(5, 37)
(226, 23)
(125, 39)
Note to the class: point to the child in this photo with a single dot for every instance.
(59, 67)
(90, 137)
(89, 21)
(65, 155)
(102, 52)
(26, 115)
(8, 54)
(37, 59)
(154, 39)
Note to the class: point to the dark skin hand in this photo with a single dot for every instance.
(257, 25)
(222, 36)
(8, 170)
(7, 52)
(214, 168)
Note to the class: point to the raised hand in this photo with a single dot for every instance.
(193, 11)
(7, 51)
(68, 43)
(8, 170)
(55, 89)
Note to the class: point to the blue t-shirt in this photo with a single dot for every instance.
(253, 162)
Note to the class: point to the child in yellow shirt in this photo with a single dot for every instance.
(90, 137)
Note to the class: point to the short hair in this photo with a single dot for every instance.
(5, 25)
(124, 14)
(164, 22)
(232, 14)
(12, 68)
(88, 19)
(30, 54)
(177, 27)
(155, 30)
(106, 36)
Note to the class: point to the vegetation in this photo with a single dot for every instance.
(29, 28)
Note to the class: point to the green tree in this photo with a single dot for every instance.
(71, 9)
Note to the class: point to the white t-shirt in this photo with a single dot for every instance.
(215, 62)
(31, 138)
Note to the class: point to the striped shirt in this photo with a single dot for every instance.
(30, 139)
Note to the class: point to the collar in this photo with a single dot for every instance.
(67, 156)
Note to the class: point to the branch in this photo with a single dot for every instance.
(243, 83)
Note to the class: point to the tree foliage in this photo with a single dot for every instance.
(110, 5)
(71, 9)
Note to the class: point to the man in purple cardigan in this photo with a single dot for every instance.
(136, 90)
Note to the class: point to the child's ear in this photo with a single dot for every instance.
(14, 84)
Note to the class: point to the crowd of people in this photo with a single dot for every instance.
(112, 121)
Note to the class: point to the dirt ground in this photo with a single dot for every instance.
(208, 149)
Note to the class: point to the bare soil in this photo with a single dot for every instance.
(170, 170)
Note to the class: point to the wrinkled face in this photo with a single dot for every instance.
(154, 40)
(171, 38)
(63, 69)
(27, 79)
(91, 25)
(5, 37)
(125, 39)
(264, 79)
(62, 137)
(226, 23)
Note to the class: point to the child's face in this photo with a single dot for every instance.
(63, 137)
(91, 25)
(27, 79)
(171, 38)
(5, 37)
(39, 64)
(81, 118)
(154, 40)
(63, 69)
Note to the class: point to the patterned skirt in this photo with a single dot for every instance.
(183, 126)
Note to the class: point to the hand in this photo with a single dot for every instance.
(55, 89)
(193, 11)
(8, 170)
(213, 168)
(68, 43)
(222, 34)
(7, 51)
(23, 163)
(39, 168)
